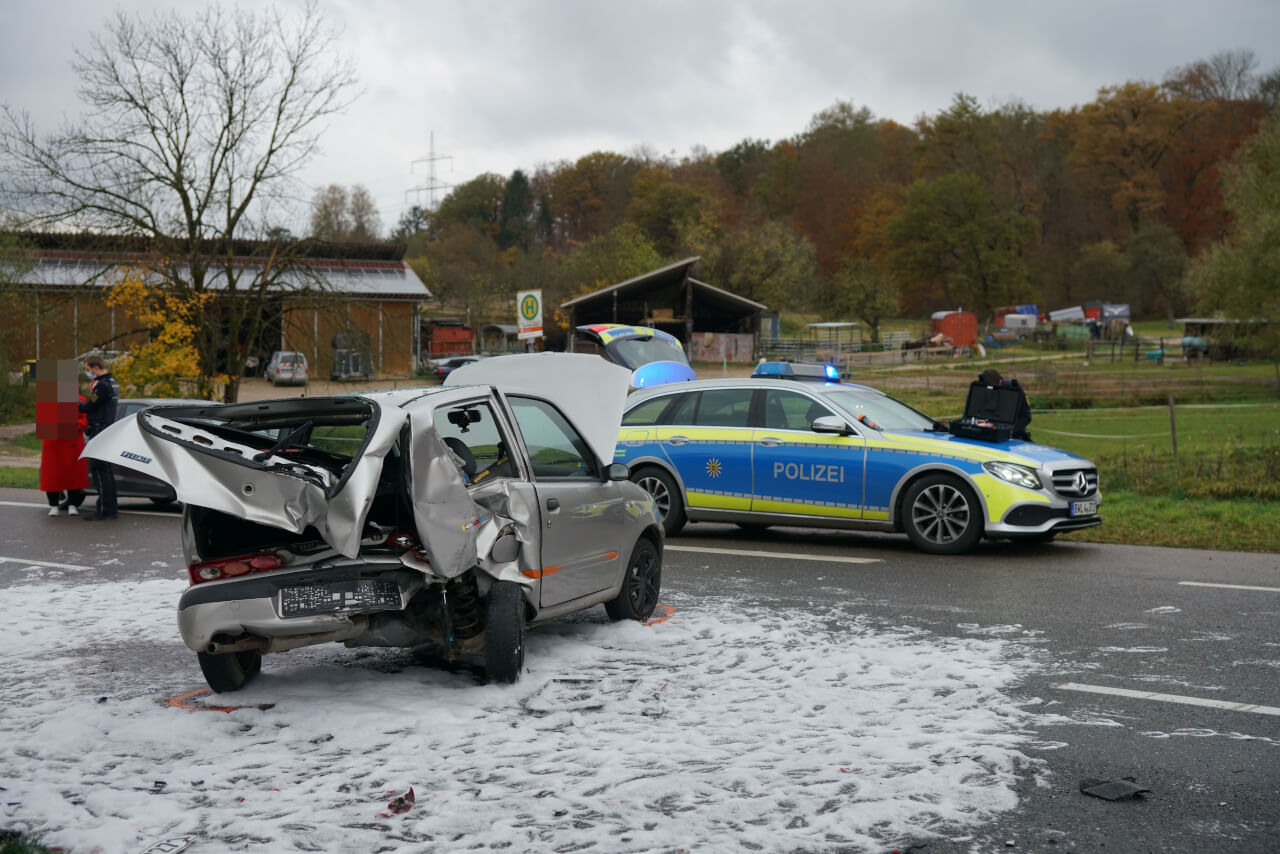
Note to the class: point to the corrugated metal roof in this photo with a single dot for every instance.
(359, 279)
(676, 272)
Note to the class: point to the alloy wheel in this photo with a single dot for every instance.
(941, 513)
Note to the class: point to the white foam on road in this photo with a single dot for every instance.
(726, 727)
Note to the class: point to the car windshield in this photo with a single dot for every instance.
(883, 412)
(636, 352)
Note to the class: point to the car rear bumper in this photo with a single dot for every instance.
(251, 608)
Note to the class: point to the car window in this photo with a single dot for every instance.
(885, 413)
(789, 410)
(555, 447)
(636, 352)
(647, 413)
(682, 411)
(338, 439)
(724, 407)
(475, 440)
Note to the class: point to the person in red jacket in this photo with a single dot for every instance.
(60, 426)
(63, 475)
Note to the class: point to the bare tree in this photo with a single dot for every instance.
(365, 221)
(341, 216)
(330, 217)
(1225, 76)
(194, 129)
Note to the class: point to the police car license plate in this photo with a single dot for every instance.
(1084, 508)
(361, 595)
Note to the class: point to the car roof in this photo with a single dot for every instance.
(746, 382)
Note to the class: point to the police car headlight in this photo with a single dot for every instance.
(1023, 476)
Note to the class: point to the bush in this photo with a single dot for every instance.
(17, 403)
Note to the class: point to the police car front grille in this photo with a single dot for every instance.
(1067, 482)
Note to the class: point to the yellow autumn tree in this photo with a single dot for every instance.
(156, 367)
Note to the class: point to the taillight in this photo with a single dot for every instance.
(231, 567)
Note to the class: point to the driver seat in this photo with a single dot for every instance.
(462, 456)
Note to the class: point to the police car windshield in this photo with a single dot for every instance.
(884, 412)
(636, 352)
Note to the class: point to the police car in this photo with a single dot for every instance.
(654, 357)
(760, 452)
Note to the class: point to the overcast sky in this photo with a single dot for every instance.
(518, 84)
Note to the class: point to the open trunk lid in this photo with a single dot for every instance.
(249, 460)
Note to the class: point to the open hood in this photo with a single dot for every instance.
(591, 391)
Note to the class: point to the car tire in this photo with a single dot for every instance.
(504, 633)
(666, 494)
(162, 501)
(641, 586)
(941, 515)
(229, 671)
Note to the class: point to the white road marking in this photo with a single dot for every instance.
(781, 555)
(1229, 586)
(22, 561)
(88, 508)
(1170, 698)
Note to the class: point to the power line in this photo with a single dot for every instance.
(432, 183)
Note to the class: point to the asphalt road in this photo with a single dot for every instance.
(1197, 627)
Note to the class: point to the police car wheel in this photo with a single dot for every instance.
(229, 671)
(639, 594)
(665, 494)
(941, 515)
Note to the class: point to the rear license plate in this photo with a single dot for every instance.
(362, 595)
(1084, 508)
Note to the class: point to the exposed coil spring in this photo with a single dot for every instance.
(464, 606)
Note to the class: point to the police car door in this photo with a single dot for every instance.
(800, 472)
(708, 440)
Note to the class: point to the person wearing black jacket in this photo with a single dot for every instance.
(100, 410)
(1022, 419)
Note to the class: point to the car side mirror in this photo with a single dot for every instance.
(830, 424)
(618, 471)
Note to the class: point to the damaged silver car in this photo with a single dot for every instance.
(448, 518)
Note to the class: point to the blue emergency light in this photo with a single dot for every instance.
(790, 371)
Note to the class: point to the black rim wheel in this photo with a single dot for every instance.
(641, 587)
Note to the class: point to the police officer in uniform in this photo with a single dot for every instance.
(100, 410)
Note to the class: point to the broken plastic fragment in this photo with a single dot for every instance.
(400, 804)
(1113, 790)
